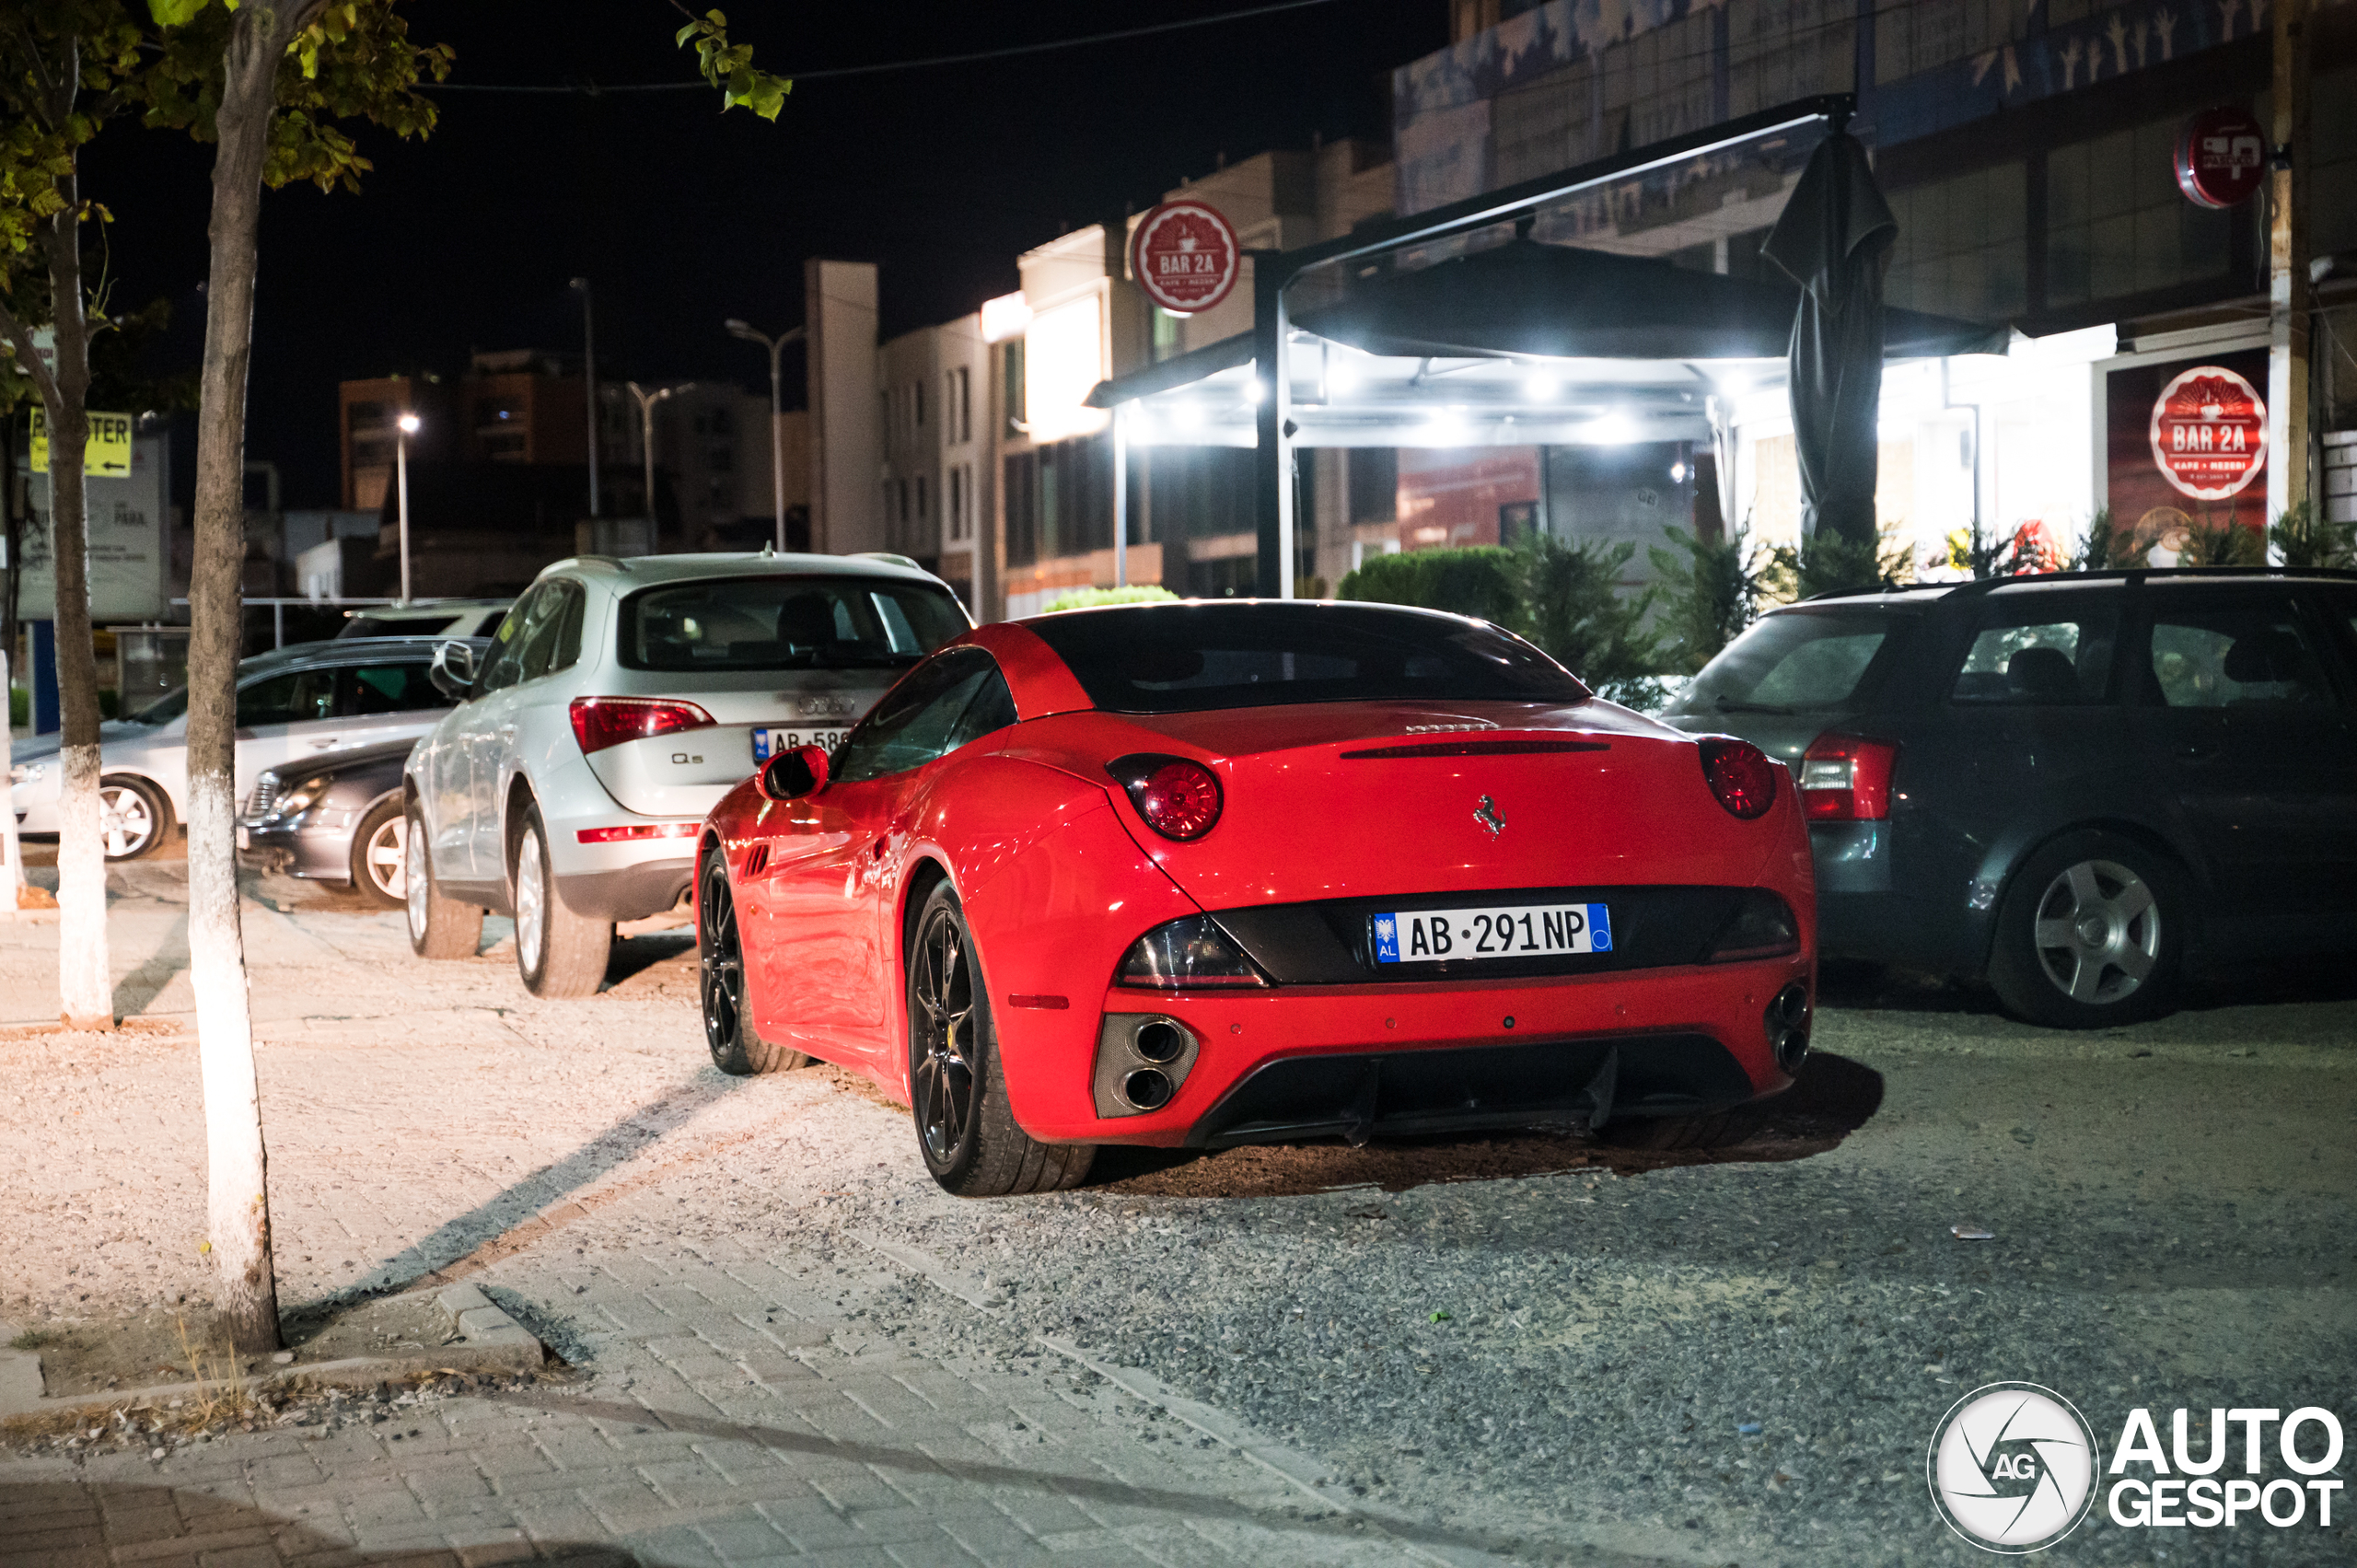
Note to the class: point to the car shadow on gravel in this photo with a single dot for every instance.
(1833, 1097)
(141, 1522)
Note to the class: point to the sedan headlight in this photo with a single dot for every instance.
(28, 772)
(291, 806)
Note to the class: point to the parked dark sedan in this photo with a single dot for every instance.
(2078, 786)
(336, 820)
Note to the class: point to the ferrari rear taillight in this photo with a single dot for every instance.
(1740, 774)
(601, 722)
(1846, 778)
(1187, 955)
(1180, 798)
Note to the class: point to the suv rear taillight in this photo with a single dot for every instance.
(601, 722)
(1846, 778)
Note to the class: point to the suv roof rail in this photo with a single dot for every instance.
(1977, 585)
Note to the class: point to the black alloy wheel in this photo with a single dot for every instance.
(737, 1048)
(970, 1138)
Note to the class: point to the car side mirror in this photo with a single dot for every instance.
(791, 775)
(453, 670)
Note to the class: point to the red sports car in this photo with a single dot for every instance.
(1209, 874)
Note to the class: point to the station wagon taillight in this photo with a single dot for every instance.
(601, 722)
(1846, 778)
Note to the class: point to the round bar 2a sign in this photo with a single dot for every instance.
(2209, 433)
(1185, 256)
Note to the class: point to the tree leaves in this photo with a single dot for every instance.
(730, 67)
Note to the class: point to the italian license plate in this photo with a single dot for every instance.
(1510, 931)
(768, 743)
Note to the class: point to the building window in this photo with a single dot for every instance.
(1165, 334)
(961, 398)
(1010, 359)
(1962, 247)
(956, 518)
(916, 404)
(920, 498)
(1374, 484)
(2117, 225)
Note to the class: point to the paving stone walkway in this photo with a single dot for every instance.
(732, 1404)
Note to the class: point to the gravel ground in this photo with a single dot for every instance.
(1532, 1337)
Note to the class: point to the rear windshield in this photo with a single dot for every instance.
(1800, 661)
(786, 624)
(1184, 658)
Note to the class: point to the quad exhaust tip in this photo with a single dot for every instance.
(1787, 1022)
(1143, 1061)
(1148, 1088)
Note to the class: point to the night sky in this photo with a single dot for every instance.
(683, 217)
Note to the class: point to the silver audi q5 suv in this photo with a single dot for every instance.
(619, 700)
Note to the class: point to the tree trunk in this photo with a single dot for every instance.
(238, 1215)
(85, 976)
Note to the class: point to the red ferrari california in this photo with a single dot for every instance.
(1209, 874)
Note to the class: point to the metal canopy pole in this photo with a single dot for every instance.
(1122, 496)
(1270, 480)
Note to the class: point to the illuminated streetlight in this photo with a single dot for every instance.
(404, 427)
(646, 401)
(777, 419)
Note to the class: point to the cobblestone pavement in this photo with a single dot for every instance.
(735, 1406)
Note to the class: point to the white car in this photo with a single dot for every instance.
(293, 705)
(619, 700)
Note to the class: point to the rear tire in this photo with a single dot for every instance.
(736, 1047)
(439, 927)
(380, 856)
(957, 1092)
(134, 817)
(2091, 933)
(558, 953)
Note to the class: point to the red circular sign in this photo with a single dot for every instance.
(1185, 256)
(2222, 157)
(2209, 433)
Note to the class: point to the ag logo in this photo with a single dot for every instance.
(2013, 1467)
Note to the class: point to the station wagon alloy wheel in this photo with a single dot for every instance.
(2098, 932)
(131, 819)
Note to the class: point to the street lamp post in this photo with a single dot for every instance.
(777, 417)
(589, 374)
(403, 428)
(646, 401)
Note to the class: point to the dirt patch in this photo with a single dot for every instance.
(98, 1356)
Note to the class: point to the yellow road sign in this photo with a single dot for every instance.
(107, 453)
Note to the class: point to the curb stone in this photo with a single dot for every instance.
(493, 1342)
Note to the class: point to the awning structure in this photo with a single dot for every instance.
(1493, 340)
(1521, 344)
